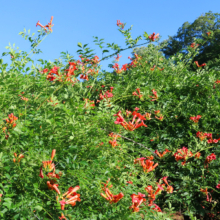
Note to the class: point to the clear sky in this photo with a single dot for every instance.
(78, 21)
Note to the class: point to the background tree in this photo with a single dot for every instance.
(196, 32)
(205, 31)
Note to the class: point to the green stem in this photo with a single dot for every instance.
(45, 194)
(206, 148)
(50, 96)
(121, 98)
(48, 213)
(25, 111)
(36, 46)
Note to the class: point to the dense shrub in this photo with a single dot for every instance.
(85, 125)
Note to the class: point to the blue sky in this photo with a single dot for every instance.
(78, 21)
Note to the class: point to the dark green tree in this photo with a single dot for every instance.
(196, 32)
(204, 31)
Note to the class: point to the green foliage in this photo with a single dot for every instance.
(59, 114)
(197, 32)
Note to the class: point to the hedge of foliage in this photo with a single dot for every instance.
(142, 142)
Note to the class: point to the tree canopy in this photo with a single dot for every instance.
(203, 31)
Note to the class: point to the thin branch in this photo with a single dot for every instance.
(133, 142)
(36, 217)
(118, 51)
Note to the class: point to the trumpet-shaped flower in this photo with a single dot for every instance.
(108, 194)
(51, 185)
(195, 119)
(194, 45)
(71, 197)
(183, 154)
(137, 201)
(148, 165)
(120, 24)
(130, 125)
(209, 159)
(151, 194)
(152, 37)
(197, 155)
(62, 217)
(49, 25)
(110, 197)
(169, 189)
(205, 191)
(117, 58)
(161, 154)
(147, 116)
(155, 97)
(197, 64)
(201, 135)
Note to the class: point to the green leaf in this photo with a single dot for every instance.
(105, 51)
(38, 208)
(79, 44)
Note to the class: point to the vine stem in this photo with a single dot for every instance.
(35, 46)
(118, 51)
(133, 142)
(121, 98)
(50, 96)
(48, 213)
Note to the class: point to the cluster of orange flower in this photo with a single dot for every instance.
(130, 125)
(69, 197)
(11, 120)
(117, 58)
(83, 63)
(157, 113)
(134, 93)
(183, 154)
(17, 158)
(23, 98)
(108, 195)
(137, 201)
(126, 66)
(87, 104)
(154, 97)
(49, 25)
(209, 159)
(121, 25)
(194, 45)
(147, 116)
(114, 141)
(54, 74)
(160, 155)
(152, 69)
(216, 82)
(107, 95)
(134, 62)
(160, 187)
(203, 136)
(197, 64)
(152, 37)
(208, 195)
(147, 165)
(9, 124)
(118, 70)
(195, 119)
